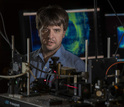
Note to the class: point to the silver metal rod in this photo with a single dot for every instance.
(12, 80)
(117, 73)
(59, 69)
(86, 56)
(75, 84)
(28, 49)
(108, 47)
(28, 61)
(12, 47)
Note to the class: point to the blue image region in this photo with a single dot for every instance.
(78, 31)
(35, 40)
(120, 32)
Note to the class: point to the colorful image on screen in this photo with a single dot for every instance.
(77, 32)
(120, 33)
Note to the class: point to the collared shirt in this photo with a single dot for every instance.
(66, 58)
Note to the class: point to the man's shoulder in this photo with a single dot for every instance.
(70, 55)
(66, 53)
(73, 61)
(34, 53)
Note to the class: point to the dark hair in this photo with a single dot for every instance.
(51, 15)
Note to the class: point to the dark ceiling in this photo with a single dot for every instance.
(34, 4)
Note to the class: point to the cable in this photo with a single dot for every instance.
(30, 65)
(33, 74)
(3, 26)
(119, 44)
(37, 68)
(6, 37)
(13, 76)
(115, 13)
(112, 66)
(10, 44)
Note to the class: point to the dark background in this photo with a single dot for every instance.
(10, 10)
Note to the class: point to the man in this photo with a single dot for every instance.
(52, 23)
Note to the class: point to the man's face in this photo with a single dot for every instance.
(51, 37)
